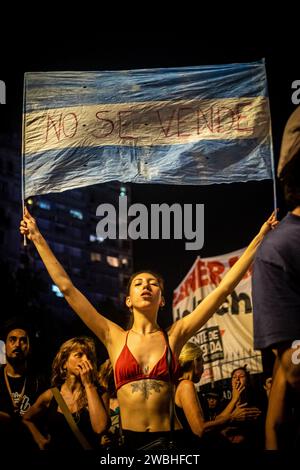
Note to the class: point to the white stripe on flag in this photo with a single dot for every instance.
(149, 123)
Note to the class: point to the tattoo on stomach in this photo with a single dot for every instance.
(146, 387)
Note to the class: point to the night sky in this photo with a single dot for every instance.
(233, 213)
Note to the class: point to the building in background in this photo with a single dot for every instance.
(98, 267)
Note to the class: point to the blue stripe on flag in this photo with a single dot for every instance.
(207, 162)
(61, 89)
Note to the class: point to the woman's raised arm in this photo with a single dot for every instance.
(101, 326)
(188, 326)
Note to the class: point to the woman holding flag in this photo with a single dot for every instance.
(143, 373)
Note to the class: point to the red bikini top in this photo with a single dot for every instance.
(128, 370)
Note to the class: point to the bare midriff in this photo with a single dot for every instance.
(145, 406)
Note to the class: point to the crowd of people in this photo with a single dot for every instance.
(78, 407)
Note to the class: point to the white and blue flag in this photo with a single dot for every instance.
(190, 125)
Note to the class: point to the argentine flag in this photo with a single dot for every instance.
(190, 125)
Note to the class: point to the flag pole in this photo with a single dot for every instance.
(23, 158)
(273, 171)
(272, 154)
(273, 167)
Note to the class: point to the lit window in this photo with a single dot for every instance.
(95, 256)
(94, 238)
(122, 191)
(76, 214)
(113, 261)
(42, 204)
(56, 291)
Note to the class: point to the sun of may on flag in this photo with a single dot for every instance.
(190, 125)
